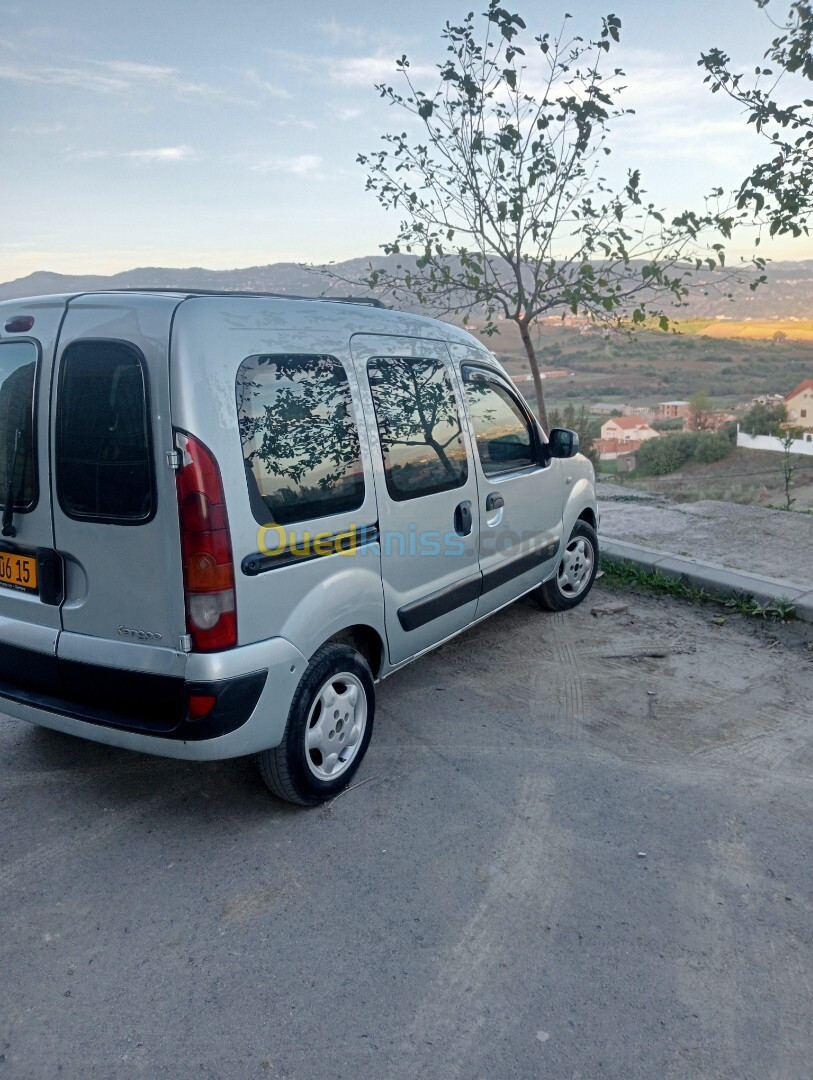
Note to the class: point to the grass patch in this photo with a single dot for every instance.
(626, 575)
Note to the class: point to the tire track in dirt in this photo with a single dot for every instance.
(556, 696)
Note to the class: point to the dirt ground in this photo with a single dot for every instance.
(579, 847)
(747, 477)
(771, 543)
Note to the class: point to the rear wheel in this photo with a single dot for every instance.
(575, 573)
(329, 727)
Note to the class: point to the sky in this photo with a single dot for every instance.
(173, 133)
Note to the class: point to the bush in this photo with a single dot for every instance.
(657, 457)
(765, 420)
(661, 456)
(711, 446)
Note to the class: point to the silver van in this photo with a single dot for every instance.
(225, 516)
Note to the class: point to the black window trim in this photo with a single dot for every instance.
(96, 519)
(357, 416)
(540, 443)
(31, 506)
(394, 494)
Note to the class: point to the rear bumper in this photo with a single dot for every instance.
(252, 686)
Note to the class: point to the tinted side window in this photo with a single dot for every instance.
(104, 471)
(504, 439)
(418, 425)
(18, 365)
(300, 439)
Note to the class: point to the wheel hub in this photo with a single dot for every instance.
(336, 726)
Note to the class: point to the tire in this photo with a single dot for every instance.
(575, 573)
(329, 727)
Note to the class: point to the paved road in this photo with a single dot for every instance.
(480, 907)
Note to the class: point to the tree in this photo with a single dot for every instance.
(701, 411)
(505, 210)
(782, 186)
(764, 419)
(787, 439)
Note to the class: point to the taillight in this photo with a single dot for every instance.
(208, 566)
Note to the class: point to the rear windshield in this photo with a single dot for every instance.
(104, 470)
(18, 365)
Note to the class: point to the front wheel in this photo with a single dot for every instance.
(575, 573)
(329, 727)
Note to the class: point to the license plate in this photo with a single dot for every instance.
(18, 572)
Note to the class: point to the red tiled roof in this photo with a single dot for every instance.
(628, 422)
(806, 385)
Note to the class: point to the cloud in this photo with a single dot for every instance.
(348, 112)
(112, 77)
(133, 69)
(270, 88)
(339, 33)
(299, 165)
(159, 154)
(79, 78)
(162, 153)
(295, 122)
(369, 70)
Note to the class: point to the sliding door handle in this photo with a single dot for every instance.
(462, 518)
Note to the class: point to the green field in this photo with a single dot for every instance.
(651, 366)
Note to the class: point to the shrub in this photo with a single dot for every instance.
(657, 457)
(661, 456)
(711, 446)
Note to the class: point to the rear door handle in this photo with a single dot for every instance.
(494, 502)
(462, 518)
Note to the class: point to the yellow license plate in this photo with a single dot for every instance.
(18, 571)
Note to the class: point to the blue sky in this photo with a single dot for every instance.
(225, 134)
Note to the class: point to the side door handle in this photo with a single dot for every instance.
(462, 518)
(495, 505)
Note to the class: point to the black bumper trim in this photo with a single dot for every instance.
(138, 702)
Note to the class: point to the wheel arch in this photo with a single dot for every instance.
(589, 516)
(365, 640)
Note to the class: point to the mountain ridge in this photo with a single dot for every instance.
(788, 293)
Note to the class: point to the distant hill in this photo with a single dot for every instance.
(788, 294)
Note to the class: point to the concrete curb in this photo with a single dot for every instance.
(712, 578)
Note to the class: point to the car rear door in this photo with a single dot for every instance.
(114, 501)
(30, 570)
(425, 487)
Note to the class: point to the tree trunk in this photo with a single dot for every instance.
(447, 465)
(524, 333)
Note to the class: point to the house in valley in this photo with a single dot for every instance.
(623, 434)
(799, 404)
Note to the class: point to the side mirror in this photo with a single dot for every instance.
(563, 443)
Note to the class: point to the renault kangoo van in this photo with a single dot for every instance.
(225, 516)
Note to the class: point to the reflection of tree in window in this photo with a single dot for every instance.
(419, 426)
(297, 425)
(16, 405)
(500, 429)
